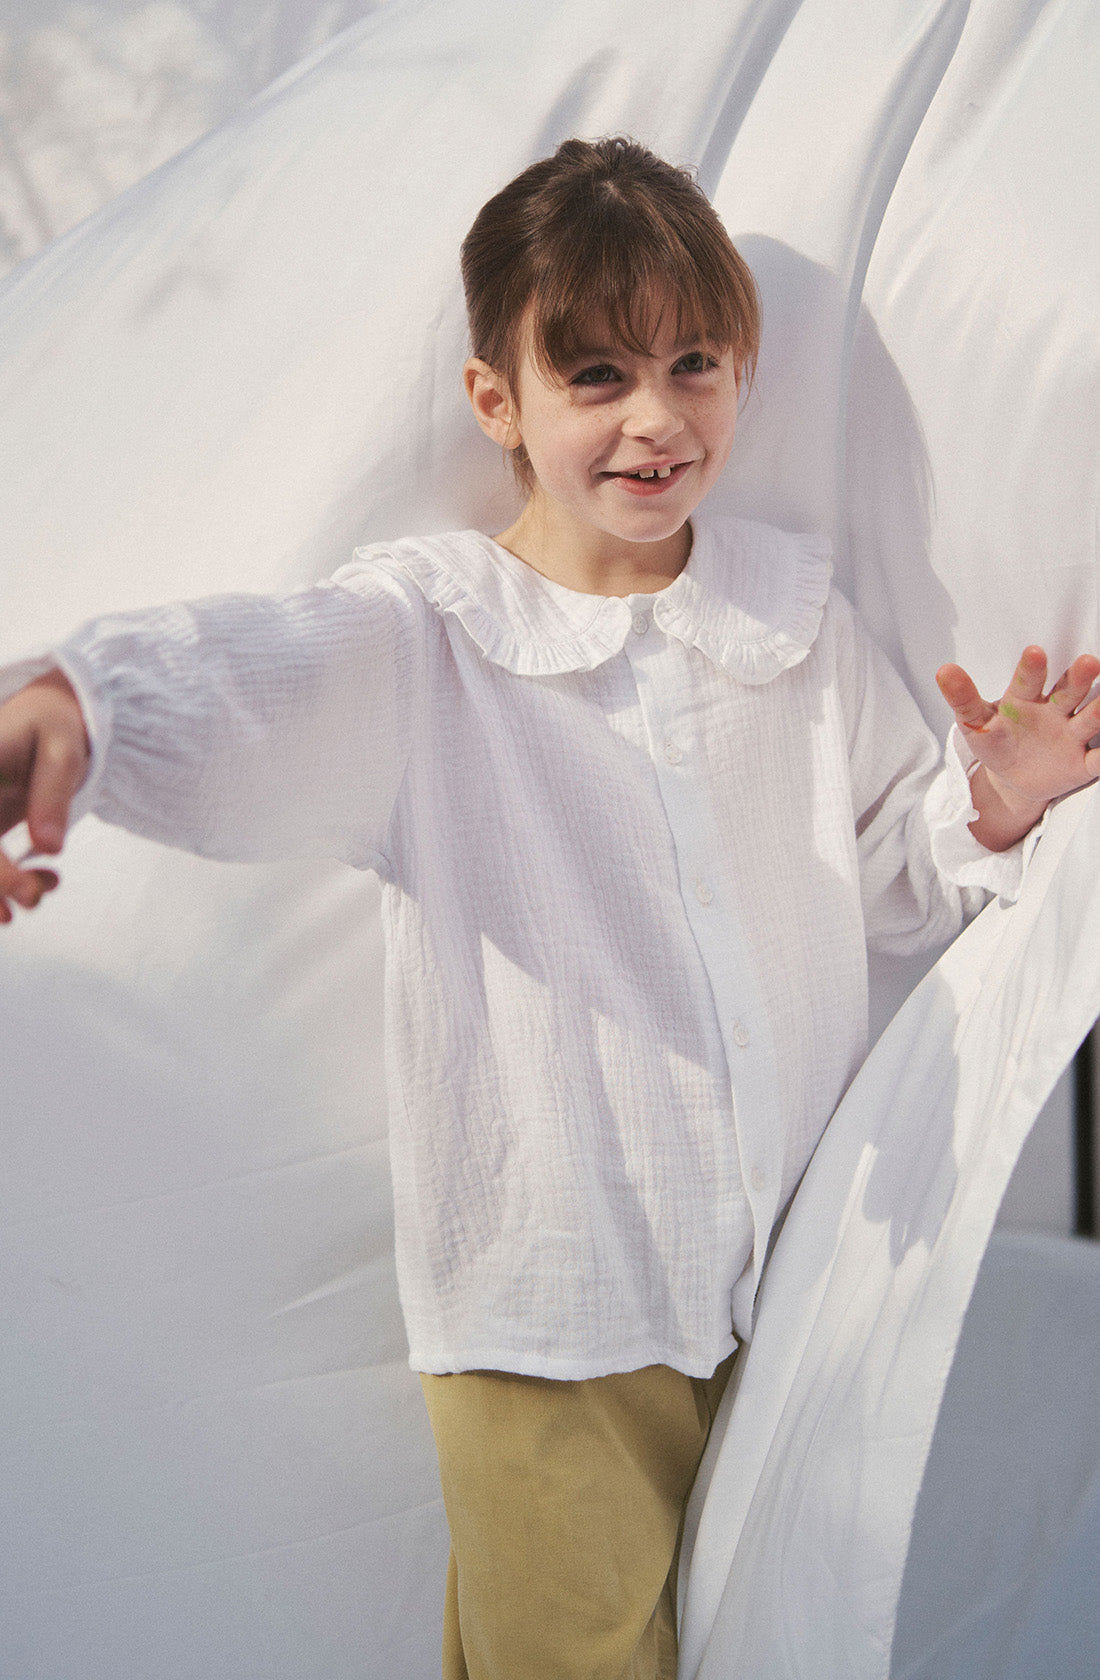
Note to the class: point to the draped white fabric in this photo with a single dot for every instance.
(805, 1515)
(214, 1461)
(1002, 1571)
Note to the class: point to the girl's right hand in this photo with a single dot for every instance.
(44, 756)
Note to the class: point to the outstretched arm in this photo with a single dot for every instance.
(1032, 747)
(44, 757)
(240, 727)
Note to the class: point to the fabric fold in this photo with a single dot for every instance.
(865, 1294)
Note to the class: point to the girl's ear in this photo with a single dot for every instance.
(491, 401)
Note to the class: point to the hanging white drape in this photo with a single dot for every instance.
(213, 1461)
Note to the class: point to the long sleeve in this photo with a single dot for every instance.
(921, 870)
(249, 727)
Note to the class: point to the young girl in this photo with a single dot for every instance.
(639, 791)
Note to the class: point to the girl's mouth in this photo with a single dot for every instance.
(650, 481)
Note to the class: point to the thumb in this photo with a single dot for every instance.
(959, 690)
(60, 764)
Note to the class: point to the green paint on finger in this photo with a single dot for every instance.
(1011, 712)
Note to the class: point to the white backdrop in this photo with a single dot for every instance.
(214, 1462)
(95, 93)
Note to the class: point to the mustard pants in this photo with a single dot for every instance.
(566, 1503)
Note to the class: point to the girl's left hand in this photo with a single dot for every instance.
(1033, 747)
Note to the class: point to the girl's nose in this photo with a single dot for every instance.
(650, 414)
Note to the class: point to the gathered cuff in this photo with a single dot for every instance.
(949, 810)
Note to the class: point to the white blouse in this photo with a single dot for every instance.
(631, 852)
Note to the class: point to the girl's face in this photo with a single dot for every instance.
(623, 445)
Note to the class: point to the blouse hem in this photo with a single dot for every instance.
(692, 1363)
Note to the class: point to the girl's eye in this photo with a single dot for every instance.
(602, 374)
(696, 361)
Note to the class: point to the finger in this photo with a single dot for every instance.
(1029, 677)
(32, 886)
(12, 799)
(961, 694)
(17, 885)
(11, 877)
(58, 771)
(11, 812)
(1074, 684)
(9, 874)
(26, 887)
(1086, 723)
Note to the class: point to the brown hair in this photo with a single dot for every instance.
(601, 237)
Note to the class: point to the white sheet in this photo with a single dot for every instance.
(1005, 1557)
(214, 1463)
(805, 1513)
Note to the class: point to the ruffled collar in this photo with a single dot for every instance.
(750, 598)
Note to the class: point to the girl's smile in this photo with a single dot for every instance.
(651, 480)
(623, 445)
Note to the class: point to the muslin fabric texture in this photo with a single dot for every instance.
(632, 853)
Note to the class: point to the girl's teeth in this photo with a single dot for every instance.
(652, 472)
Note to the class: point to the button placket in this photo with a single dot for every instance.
(660, 689)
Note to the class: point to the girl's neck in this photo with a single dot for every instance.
(595, 562)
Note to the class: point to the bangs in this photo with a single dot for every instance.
(622, 279)
(597, 324)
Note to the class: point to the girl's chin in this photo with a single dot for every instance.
(645, 518)
(612, 512)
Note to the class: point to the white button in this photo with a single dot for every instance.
(703, 893)
(641, 624)
(758, 1178)
(741, 1035)
(673, 755)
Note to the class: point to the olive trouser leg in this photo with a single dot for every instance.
(566, 1502)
